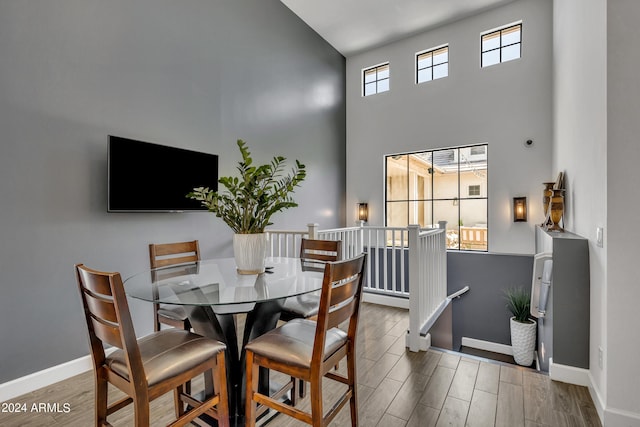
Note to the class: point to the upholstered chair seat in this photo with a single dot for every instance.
(302, 306)
(176, 312)
(167, 354)
(297, 337)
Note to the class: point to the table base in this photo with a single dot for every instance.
(222, 327)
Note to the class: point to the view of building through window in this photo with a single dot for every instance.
(440, 185)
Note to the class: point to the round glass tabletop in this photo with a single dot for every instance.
(216, 282)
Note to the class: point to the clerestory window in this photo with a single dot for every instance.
(501, 45)
(375, 79)
(432, 64)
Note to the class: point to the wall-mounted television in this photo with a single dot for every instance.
(146, 177)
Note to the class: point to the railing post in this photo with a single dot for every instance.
(414, 289)
(313, 231)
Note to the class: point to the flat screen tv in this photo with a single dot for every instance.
(146, 177)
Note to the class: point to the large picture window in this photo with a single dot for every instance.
(448, 184)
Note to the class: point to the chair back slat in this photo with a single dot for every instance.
(164, 262)
(106, 332)
(164, 254)
(101, 307)
(319, 249)
(341, 314)
(344, 291)
(316, 253)
(100, 285)
(173, 271)
(319, 258)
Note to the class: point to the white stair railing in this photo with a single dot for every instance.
(351, 238)
(386, 268)
(407, 263)
(286, 243)
(428, 279)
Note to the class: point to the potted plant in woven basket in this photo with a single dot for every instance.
(247, 203)
(523, 328)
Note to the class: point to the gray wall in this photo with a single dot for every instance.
(481, 313)
(580, 150)
(622, 337)
(503, 105)
(190, 74)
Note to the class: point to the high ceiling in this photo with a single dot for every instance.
(353, 26)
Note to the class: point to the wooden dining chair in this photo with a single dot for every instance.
(313, 255)
(309, 350)
(150, 367)
(165, 255)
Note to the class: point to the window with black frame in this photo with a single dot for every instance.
(502, 45)
(448, 184)
(375, 79)
(432, 64)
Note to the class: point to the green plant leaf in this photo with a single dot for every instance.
(246, 203)
(518, 303)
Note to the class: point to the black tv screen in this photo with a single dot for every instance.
(146, 177)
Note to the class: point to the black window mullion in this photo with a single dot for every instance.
(460, 202)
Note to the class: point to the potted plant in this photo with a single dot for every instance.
(247, 203)
(523, 328)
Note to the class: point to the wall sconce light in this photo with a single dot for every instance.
(519, 209)
(363, 212)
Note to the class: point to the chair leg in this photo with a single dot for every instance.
(177, 401)
(156, 319)
(294, 391)
(317, 413)
(220, 388)
(351, 376)
(141, 408)
(302, 389)
(101, 397)
(252, 387)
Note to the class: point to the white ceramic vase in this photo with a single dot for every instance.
(249, 251)
(523, 341)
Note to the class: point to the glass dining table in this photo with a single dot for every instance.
(213, 293)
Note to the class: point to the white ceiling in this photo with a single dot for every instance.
(353, 26)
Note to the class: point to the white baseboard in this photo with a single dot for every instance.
(596, 397)
(44, 378)
(569, 374)
(618, 418)
(487, 346)
(385, 300)
(609, 417)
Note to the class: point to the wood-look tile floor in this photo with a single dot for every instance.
(395, 388)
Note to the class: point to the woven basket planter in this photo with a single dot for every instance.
(523, 341)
